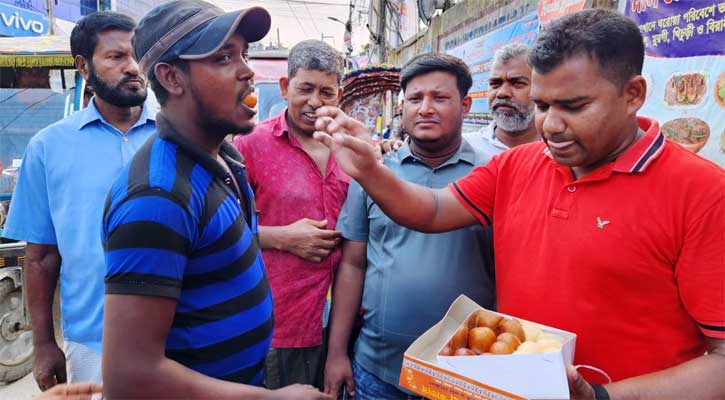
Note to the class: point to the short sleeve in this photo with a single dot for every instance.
(30, 218)
(477, 190)
(353, 221)
(147, 240)
(700, 271)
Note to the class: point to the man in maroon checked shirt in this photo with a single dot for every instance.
(300, 191)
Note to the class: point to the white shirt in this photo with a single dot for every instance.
(485, 140)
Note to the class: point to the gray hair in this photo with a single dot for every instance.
(511, 51)
(314, 55)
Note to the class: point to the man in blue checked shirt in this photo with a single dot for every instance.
(57, 205)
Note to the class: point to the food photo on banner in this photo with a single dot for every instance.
(685, 70)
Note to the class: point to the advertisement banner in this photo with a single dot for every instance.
(685, 70)
(68, 10)
(552, 9)
(683, 28)
(478, 54)
(17, 22)
(408, 19)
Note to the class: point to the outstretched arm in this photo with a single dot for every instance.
(410, 205)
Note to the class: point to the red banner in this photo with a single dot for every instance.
(552, 9)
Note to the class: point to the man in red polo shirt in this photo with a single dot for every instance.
(619, 231)
(299, 190)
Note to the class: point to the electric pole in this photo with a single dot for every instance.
(382, 10)
(348, 30)
(51, 20)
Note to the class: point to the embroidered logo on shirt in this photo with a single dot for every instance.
(602, 223)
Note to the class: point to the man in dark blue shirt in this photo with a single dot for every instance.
(188, 305)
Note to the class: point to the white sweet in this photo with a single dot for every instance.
(548, 344)
(531, 332)
(528, 348)
(550, 349)
(550, 336)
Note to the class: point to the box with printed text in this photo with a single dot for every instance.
(476, 354)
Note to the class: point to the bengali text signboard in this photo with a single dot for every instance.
(685, 70)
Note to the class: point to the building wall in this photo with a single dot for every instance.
(463, 22)
(467, 20)
(137, 8)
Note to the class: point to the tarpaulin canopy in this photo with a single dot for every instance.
(36, 51)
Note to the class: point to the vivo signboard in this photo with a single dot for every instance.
(15, 22)
(67, 10)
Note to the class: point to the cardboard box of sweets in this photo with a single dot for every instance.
(473, 353)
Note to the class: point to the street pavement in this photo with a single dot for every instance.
(24, 389)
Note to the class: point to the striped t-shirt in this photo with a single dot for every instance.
(173, 226)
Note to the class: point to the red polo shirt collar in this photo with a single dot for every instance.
(641, 154)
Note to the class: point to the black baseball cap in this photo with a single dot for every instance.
(192, 30)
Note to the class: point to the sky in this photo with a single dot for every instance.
(298, 20)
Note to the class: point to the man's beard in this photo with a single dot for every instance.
(116, 95)
(517, 120)
(216, 127)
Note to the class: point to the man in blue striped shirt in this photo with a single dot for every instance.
(188, 305)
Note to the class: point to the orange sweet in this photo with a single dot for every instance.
(464, 351)
(251, 100)
(501, 348)
(480, 339)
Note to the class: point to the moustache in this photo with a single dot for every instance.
(129, 78)
(504, 102)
